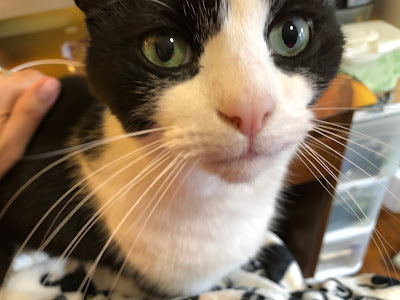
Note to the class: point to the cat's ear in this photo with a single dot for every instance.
(88, 5)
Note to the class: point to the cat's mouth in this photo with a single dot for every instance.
(253, 154)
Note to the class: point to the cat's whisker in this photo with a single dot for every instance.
(337, 179)
(372, 108)
(154, 164)
(316, 177)
(46, 235)
(311, 152)
(101, 170)
(386, 241)
(318, 129)
(117, 228)
(91, 143)
(357, 133)
(318, 156)
(325, 167)
(180, 169)
(70, 215)
(157, 162)
(381, 135)
(322, 148)
(327, 130)
(378, 234)
(352, 163)
(65, 158)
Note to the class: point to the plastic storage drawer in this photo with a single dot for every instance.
(344, 254)
(357, 204)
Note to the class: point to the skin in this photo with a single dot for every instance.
(25, 98)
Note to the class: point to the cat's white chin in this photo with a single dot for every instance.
(249, 166)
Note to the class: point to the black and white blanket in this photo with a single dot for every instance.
(273, 275)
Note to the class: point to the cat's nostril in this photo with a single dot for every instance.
(235, 121)
(248, 119)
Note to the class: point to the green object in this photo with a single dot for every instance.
(380, 75)
(166, 51)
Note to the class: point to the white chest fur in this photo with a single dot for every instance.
(186, 239)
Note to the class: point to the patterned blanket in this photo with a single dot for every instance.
(272, 275)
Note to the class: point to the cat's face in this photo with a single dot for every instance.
(231, 80)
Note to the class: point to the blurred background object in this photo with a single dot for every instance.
(370, 170)
(350, 11)
(17, 8)
(50, 34)
(388, 10)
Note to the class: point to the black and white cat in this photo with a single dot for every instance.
(215, 98)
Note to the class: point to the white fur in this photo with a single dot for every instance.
(225, 205)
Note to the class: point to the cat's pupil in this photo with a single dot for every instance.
(290, 34)
(165, 48)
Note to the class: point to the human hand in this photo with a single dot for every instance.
(25, 98)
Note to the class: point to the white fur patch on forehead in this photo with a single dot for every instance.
(248, 12)
(237, 59)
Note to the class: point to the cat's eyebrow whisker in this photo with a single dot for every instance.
(318, 157)
(65, 158)
(163, 4)
(70, 215)
(117, 228)
(183, 163)
(154, 164)
(352, 163)
(86, 179)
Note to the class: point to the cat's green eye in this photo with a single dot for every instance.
(167, 51)
(290, 37)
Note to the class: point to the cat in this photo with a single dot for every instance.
(190, 115)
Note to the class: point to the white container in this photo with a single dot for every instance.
(391, 201)
(357, 205)
(347, 237)
(367, 41)
(354, 14)
(374, 144)
(372, 55)
(344, 254)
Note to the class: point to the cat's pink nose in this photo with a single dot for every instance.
(248, 118)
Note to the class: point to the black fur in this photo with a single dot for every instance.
(321, 59)
(75, 106)
(119, 73)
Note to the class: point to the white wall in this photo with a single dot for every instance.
(388, 10)
(16, 8)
